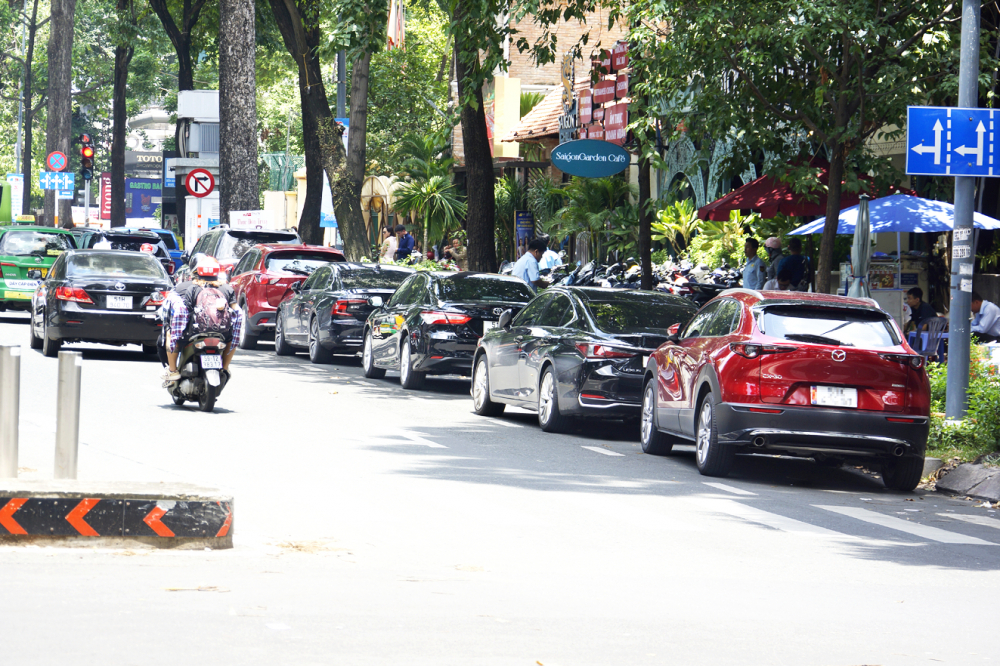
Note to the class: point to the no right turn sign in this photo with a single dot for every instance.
(199, 183)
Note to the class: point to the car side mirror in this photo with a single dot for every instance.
(505, 318)
(35, 275)
(185, 258)
(375, 301)
(296, 287)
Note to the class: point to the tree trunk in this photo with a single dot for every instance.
(60, 111)
(346, 189)
(834, 190)
(28, 113)
(645, 226)
(123, 57)
(237, 109)
(481, 215)
(309, 229)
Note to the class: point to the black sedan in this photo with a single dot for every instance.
(106, 296)
(574, 352)
(328, 311)
(131, 240)
(433, 323)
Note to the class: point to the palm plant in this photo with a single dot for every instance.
(592, 205)
(510, 196)
(436, 203)
(421, 158)
(676, 224)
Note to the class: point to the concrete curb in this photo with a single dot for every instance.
(972, 480)
(154, 514)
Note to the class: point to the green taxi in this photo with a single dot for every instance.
(26, 254)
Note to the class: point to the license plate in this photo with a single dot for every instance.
(488, 326)
(18, 295)
(645, 361)
(833, 396)
(120, 302)
(211, 362)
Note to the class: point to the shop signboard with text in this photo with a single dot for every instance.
(105, 196)
(589, 158)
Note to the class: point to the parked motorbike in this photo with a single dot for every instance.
(202, 378)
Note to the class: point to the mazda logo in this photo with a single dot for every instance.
(119, 286)
(498, 311)
(838, 355)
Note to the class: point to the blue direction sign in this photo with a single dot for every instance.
(50, 180)
(949, 141)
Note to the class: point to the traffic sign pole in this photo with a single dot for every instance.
(963, 252)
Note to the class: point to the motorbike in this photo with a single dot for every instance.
(202, 378)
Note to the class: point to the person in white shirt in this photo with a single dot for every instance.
(550, 260)
(986, 322)
(781, 283)
(526, 267)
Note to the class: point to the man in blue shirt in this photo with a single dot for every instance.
(795, 263)
(754, 273)
(405, 246)
(986, 322)
(526, 267)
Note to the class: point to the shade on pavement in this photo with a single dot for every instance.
(900, 213)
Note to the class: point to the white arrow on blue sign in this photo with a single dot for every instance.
(950, 141)
(53, 180)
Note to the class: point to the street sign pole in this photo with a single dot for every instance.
(963, 252)
(86, 203)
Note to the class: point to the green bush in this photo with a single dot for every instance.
(979, 432)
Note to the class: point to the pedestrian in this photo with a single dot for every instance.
(389, 244)
(781, 283)
(920, 310)
(754, 271)
(773, 248)
(797, 264)
(404, 246)
(459, 254)
(550, 259)
(986, 323)
(526, 267)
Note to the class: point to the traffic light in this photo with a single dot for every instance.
(86, 157)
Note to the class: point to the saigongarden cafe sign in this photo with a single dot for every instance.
(589, 158)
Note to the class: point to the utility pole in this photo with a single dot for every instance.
(341, 84)
(20, 91)
(963, 254)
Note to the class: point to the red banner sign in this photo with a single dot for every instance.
(621, 86)
(586, 109)
(582, 134)
(604, 91)
(615, 123)
(619, 56)
(105, 196)
(598, 114)
(596, 132)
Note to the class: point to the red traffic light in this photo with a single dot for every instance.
(87, 152)
(85, 138)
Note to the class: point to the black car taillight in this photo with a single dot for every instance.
(603, 351)
(750, 350)
(453, 318)
(347, 308)
(915, 361)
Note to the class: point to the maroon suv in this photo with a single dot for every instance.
(790, 373)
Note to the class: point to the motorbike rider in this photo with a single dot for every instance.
(177, 309)
(773, 248)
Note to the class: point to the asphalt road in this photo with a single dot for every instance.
(375, 526)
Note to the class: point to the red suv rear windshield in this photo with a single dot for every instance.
(298, 261)
(831, 326)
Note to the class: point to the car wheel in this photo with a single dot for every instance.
(481, 402)
(713, 459)
(368, 359)
(50, 346)
(549, 417)
(248, 340)
(34, 341)
(902, 473)
(317, 352)
(653, 441)
(281, 347)
(408, 377)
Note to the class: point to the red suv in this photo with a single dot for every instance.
(790, 373)
(263, 278)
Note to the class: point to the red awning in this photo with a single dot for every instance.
(770, 196)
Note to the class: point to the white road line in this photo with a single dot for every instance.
(774, 520)
(728, 489)
(506, 423)
(598, 449)
(361, 381)
(916, 529)
(985, 521)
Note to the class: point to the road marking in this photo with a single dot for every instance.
(507, 423)
(975, 520)
(782, 523)
(598, 449)
(728, 489)
(916, 529)
(361, 381)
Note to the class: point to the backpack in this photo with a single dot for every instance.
(210, 312)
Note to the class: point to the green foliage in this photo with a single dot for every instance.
(722, 241)
(421, 157)
(602, 207)
(529, 100)
(510, 196)
(545, 198)
(424, 265)
(979, 432)
(436, 203)
(676, 224)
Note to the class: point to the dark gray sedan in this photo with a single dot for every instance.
(574, 352)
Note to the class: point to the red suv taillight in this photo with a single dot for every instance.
(603, 351)
(74, 294)
(347, 308)
(751, 350)
(915, 361)
(453, 318)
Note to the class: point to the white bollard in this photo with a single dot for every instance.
(10, 406)
(68, 414)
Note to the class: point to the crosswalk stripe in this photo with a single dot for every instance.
(916, 529)
(507, 423)
(985, 521)
(598, 449)
(774, 520)
(728, 489)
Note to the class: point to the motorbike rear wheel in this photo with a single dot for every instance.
(178, 399)
(206, 401)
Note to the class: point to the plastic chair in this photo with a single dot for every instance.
(935, 331)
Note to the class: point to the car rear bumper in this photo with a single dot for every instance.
(105, 326)
(15, 299)
(813, 430)
(264, 319)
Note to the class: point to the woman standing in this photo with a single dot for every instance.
(389, 243)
